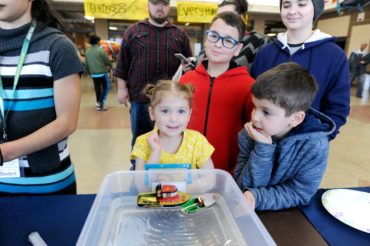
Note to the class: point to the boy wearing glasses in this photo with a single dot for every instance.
(222, 96)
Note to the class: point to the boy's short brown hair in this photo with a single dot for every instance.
(232, 19)
(287, 85)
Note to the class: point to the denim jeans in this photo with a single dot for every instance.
(140, 122)
(101, 86)
(360, 84)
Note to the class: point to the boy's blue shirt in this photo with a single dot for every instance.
(325, 60)
(288, 172)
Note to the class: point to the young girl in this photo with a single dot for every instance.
(39, 108)
(222, 98)
(170, 141)
(314, 50)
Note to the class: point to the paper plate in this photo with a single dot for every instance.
(349, 206)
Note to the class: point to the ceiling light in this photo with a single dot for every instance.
(90, 18)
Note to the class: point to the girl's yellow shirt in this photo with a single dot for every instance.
(194, 149)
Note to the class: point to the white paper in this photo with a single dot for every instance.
(10, 169)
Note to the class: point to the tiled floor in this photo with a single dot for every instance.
(101, 144)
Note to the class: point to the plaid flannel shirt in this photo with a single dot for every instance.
(147, 55)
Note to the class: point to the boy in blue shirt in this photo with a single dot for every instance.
(284, 148)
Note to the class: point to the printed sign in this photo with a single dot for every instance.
(117, 9)
(196, 12)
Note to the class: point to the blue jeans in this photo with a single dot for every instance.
(140, 123)
(101, 86)
(360, 84)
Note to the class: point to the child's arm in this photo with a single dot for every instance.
(201, 151)
(156, 148)
(154, 157)
(301, 181)
(208, 164)
(206, 182)
(250, 199)
(139, 164)
(141, 152)
(255, 161)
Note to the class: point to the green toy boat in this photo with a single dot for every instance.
(199, 202)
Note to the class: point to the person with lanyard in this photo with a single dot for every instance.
(314, 50)
(40, 97)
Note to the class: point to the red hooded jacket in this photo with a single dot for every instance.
(221, 107)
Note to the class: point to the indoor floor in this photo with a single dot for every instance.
(101, 144)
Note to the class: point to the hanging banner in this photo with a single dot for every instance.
(117, 9)
(196, 12)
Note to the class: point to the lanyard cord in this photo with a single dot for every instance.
(22, 57)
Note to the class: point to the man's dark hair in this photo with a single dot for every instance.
(232, 19)
(94, 39)
(287, 85)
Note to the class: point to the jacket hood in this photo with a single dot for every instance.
(305, 56)
(234, 70)
(315, 124)
(316, 38)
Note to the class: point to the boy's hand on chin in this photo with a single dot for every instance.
(256, 135)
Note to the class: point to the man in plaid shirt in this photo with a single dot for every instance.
(146, 56)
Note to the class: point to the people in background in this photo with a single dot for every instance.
(98, 65)
(284, 148)
(111, 48)
(40, 99)
(222, 97)
(357, 67)
(147, 55)
(170, 141)
(315, 51)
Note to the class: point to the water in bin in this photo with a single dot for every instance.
(115, 218)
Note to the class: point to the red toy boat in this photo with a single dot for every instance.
(164, 196)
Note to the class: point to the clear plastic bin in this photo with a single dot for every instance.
(115, 218)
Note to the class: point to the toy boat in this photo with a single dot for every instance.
(164, 196)
(199, 202)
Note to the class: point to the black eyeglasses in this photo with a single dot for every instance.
(227, 42)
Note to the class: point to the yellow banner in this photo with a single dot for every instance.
(117, 9)
(198, 12)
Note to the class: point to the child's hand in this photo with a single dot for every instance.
(256, 135)
(250, 199)
(187, 66)
(154, 142)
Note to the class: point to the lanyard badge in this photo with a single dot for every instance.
(22, 57)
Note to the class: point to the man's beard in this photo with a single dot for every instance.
(158, 20)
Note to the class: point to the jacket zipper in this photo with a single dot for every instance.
(208, 106)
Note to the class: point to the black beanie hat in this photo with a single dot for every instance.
(318, 6)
